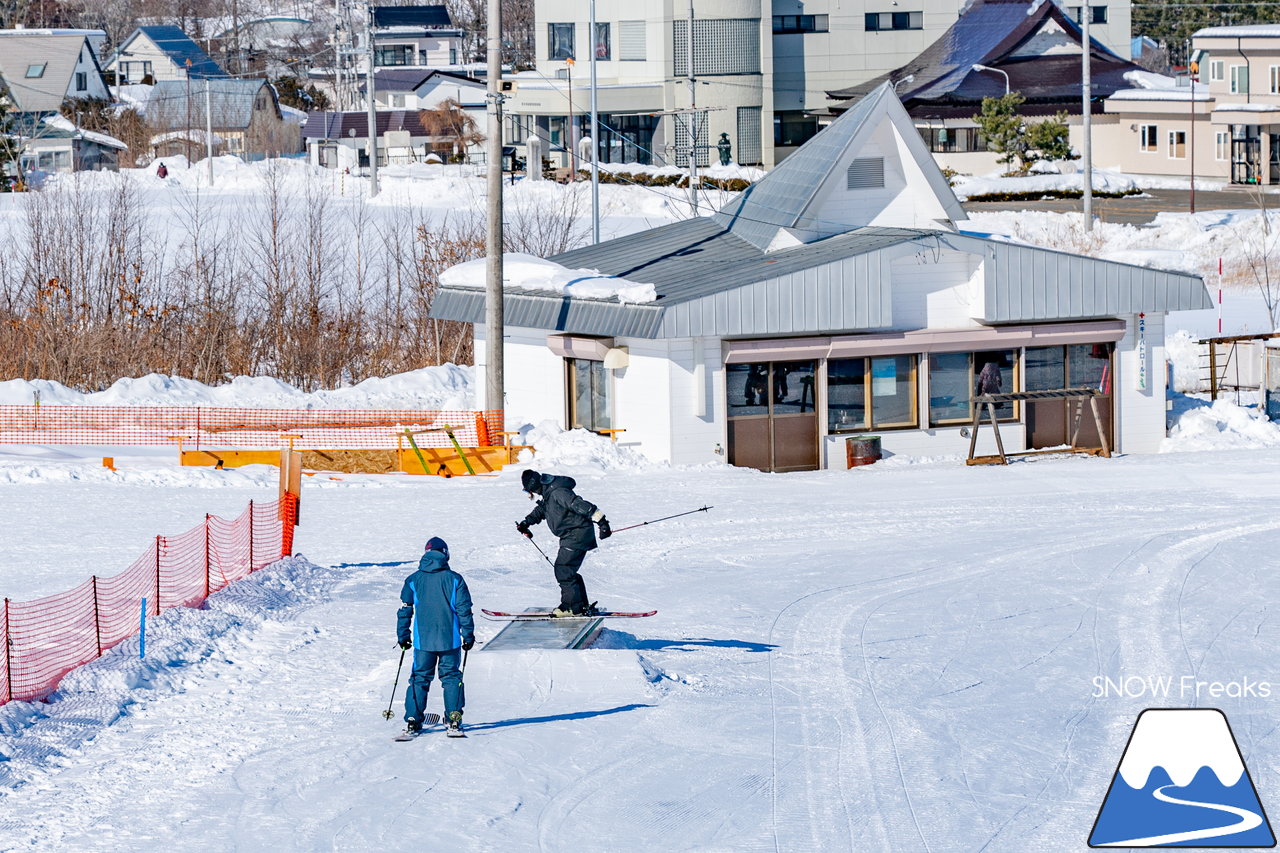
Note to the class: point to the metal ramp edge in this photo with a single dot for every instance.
(570, 633)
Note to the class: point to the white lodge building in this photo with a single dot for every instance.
(836, 297)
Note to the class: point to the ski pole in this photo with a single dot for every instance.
(387, 713)
(540, 551)
(664, 518)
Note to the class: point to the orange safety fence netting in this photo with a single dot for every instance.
(46, 638)
(204, 426)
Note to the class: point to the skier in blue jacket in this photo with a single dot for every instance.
(435, 621)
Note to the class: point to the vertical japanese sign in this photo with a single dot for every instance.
(1142, 352)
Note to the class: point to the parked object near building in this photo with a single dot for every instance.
(157, 53)
(245, 113)
(838, 296)
(1225, 126)
(1038, 47)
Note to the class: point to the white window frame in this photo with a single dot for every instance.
(1154, 145)
(1173, 144)
(1274, 74)
(1217, 70)
(1235, 80)
(1222, 146)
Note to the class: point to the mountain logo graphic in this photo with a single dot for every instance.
(1182, 783)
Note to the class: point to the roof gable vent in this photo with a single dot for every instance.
(866, 173)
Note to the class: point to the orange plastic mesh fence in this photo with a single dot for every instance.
(44, 639)
(203, 426)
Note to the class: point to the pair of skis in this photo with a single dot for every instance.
(539, 615)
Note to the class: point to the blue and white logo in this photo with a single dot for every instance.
(1182, 783)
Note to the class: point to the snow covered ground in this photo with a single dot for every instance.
(899, 657)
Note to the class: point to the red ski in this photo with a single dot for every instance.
(546, 614)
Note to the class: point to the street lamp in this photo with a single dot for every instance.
(977, 67)
(908, 79)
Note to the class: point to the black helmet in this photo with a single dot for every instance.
(531, 481)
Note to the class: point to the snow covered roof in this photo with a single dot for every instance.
(64, 124)
(194, 135)
(1198, 92)
(1251, 31)
(529, 273)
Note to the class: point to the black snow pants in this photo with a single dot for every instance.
(573, 591)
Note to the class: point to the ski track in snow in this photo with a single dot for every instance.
(909, 672)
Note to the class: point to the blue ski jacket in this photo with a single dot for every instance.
(568, 515)
(435, 614)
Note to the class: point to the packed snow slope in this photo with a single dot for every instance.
(895, 658)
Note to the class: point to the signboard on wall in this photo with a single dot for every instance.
(1142, 352)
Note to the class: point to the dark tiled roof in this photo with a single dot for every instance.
(430, 17)
(990, 33)
(409, 79)
(179, 47)
(340, 125)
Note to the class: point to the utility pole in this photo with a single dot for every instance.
(337, 54)
(208, 127)
(1087, 116)
(369, 94)
(493, 307)
(573, 149)
(693, 117)
(595, 134)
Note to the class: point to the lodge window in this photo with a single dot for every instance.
(1239, 79)
(602, 46)
(559, 42)
(1097, 14)
(878, 392)
(954, 379)
(396, 54)
(1150, 135)
(1274, 73)
(588, 386)
(884, 21)
(953, 140)
(35, 71)
(1222, 145)
(1217, 70)
(1177, 144)
(783, 24)
(82, 81)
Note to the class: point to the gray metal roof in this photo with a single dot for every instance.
(230, 100)
(57, 53)
(553, 313)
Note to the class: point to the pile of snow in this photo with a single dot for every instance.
(1184, 354)
(526, 272)
(722, 173)
(447, 386)
(193, 135)
(558, 450)
(1221, 425)
(967, 186)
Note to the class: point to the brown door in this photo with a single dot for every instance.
(773, 418)
(1045, 370)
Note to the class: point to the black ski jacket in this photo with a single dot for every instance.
(567, 515)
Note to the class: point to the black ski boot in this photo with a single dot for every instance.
(454, 726)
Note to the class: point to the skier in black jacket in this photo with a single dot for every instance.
(569, 517)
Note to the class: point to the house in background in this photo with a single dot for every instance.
(43, 68)
(1225, 126)
(246, 116)
(838, 296)
(415, 37)
(425, 89)
(1036, 44)
(153, 54)
(341, 140)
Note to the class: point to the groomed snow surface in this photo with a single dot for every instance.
(898, 657)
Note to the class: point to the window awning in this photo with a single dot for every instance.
(579, 346)
(924, 341)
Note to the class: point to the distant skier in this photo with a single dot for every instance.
(435, 621)
(569, 517)
(162, 171)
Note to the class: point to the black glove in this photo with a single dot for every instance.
(406, 645)
(466, 647)
(605, 530)
(523, 527)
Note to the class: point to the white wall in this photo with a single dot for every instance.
(698, 425)
(936, 290)
(1140, 414)
(534, 376)
(642, 398)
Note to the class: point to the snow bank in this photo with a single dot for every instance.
(967, 187)
(557, 449)
(446, 386)
(1220, 426)
(526, 272)
(731, 172)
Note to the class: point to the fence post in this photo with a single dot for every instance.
(142, 631)
(159, 539)
(206, 555)
(97, 627)
(250, 536)
(8, 642)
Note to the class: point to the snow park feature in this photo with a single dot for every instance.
(1193, 753)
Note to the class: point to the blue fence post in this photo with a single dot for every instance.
(142, 632)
